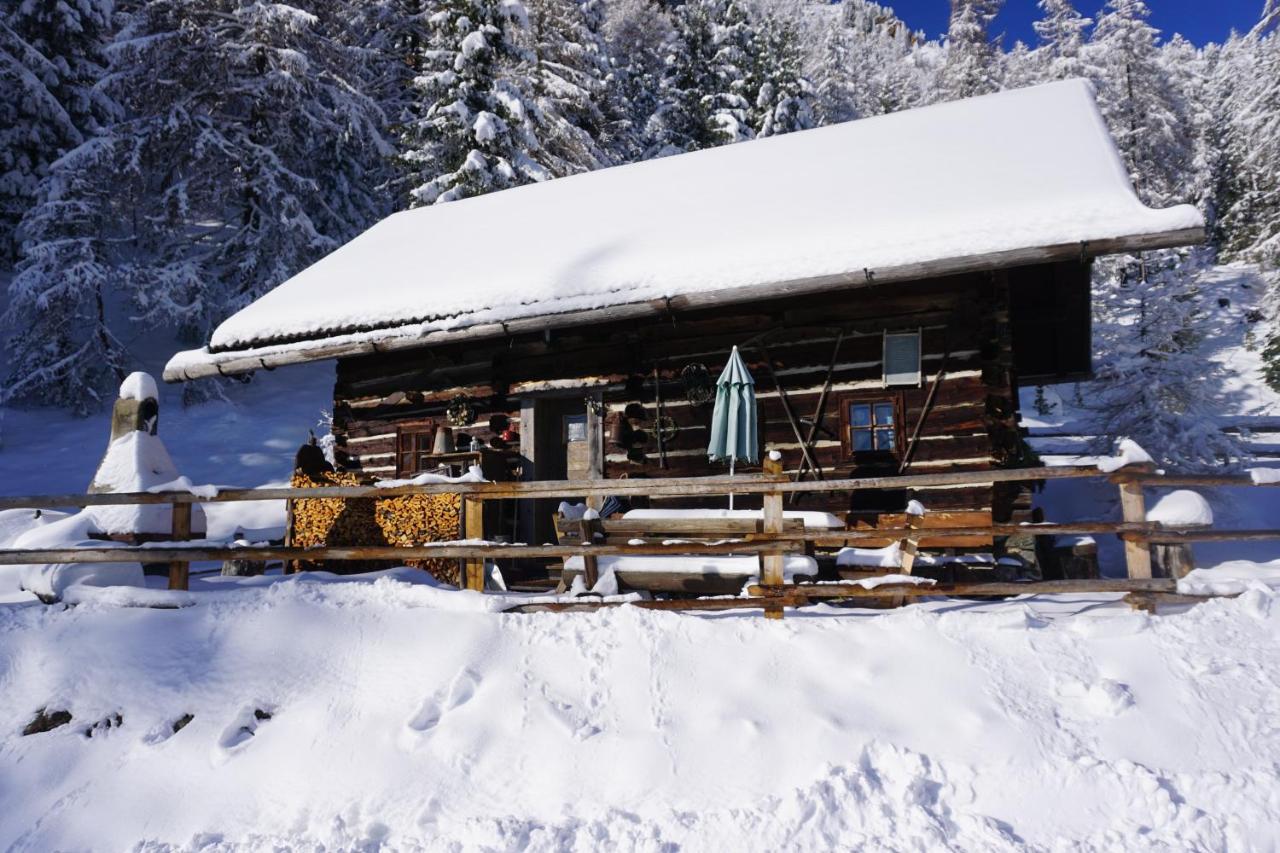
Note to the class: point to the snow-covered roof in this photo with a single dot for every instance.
(1012, 178)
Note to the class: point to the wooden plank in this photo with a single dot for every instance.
(691, 604)
(1170, 537)
(703, 528)
(673, 487)
(180, 570)
(971, 589)
(200, 553)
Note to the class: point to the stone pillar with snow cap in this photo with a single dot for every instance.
(137, 461)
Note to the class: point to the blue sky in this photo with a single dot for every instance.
(1200, 21)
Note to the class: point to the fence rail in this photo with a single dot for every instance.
(772, 544)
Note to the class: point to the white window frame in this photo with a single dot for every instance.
(899, 380)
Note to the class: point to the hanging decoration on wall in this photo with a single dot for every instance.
(698, 387)
(460, 412)
(665, 429)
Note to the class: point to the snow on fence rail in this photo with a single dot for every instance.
(772, 544)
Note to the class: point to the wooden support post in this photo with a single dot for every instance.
(1137, 554)
(595, 448)
(180, 572)
(771, 563)
(590, 562)
(473, 523)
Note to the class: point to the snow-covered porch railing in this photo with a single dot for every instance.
(772, 544)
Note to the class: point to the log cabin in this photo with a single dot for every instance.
(890, 282)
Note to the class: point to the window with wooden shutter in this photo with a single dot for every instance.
(413, 448)
(870, 427)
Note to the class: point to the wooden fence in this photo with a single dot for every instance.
(772, 544)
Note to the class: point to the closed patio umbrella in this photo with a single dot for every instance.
(733, 421)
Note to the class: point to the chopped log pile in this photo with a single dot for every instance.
(404, 520)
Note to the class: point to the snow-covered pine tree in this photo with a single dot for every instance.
(245, 151)
(638, 38)
(252, 148)
(387, 38)
(1022, 67)
(894, 68)
(50, 62)
(1156, 386)
(1061, 31)
(1247, 80)
(476, 130)
(683, 119)
(1189, 71)
(569, 86)
(863, 61)
(735, 65)
(1139, 103)
(61, 350)
(785, 99)
(832, 74)
(972, 66)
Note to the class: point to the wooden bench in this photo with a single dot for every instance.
(657, 531)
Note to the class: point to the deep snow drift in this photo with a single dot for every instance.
(404, 717)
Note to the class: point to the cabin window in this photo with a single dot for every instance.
(575, 428)
(413, 448)
(902, 358)
(871, 426)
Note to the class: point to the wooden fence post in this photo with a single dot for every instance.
(1137, 553)
(590, 562)
(771, 563)
(473, 523)
(180, 572)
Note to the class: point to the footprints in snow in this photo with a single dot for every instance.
(433, 709)
(243, 728)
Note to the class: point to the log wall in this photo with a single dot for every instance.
(971, 425)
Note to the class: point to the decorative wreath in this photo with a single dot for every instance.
(698, 387)
(460, 412)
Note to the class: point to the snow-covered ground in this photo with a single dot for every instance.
(406, 717)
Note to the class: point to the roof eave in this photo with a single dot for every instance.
(271, 356)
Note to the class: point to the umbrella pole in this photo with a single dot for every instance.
(731, 460)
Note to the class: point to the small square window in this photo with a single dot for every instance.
(902, 358)
(870, 426)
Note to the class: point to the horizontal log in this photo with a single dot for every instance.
(1203, 480)
(194, 554)
(1175, 537)
(672, 487)
(691, 604)
(979, 588)
(703, 527)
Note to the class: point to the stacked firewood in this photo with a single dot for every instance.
(404, 521)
